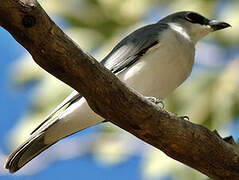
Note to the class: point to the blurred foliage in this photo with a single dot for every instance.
(210, 97)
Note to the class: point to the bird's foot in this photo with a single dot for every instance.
(184, 118)
(156, 101)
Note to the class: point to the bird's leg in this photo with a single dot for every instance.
(156, 101)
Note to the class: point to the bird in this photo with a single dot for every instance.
(154, 60)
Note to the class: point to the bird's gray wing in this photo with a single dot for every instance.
(132, 47)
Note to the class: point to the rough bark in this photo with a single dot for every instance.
(189, 143)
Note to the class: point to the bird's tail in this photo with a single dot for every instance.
(76, 117)
(26, 152)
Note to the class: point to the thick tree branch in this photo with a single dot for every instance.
(182, 140)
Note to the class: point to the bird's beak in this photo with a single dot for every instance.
(217, 25)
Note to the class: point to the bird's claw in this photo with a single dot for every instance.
(184, 118)
(156, 101)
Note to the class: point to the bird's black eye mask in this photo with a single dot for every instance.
(196, 18)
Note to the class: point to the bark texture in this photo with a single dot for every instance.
(189, 143)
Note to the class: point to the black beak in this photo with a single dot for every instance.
(217, 25)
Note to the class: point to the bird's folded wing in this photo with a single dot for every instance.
(73, 97)
(131, 48)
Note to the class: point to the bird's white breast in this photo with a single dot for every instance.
(163, 67)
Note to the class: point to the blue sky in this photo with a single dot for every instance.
(13, 101)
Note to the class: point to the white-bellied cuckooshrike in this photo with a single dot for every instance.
(154, 60)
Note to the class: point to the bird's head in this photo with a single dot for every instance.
(192, 24)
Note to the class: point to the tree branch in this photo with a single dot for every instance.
(191, 144)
